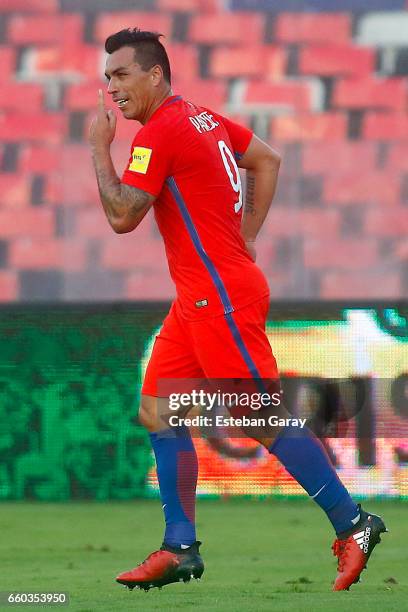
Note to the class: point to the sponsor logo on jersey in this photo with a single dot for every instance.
(140, 160)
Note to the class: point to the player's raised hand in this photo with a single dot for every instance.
(103, 126)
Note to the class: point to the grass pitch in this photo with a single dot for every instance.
(260, 555)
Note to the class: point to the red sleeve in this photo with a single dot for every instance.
(240, 136)
(149, 162)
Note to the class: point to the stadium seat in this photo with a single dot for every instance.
(300, 28)
(121, 253)
(336, 60)
(66, 189)
(383, 29)
(398, 156)
(385, 126)
(7, 62)
(356, 187)
(370, 93)
(323, 252)
(204, 92)
(83, 96)
(185, 6)
(319, 126)
(38, 158)
(43, 127)
(33, 6)
(266, 62)
(14, 191)
(157, 286)
(183, 61)
(45, 29)
(317, 157)
(14, 97)
(43, 253)
(9, 289)
(34, 222)
(393, 224)
(227, 28)
(285, 95)
(364, 285)
(109, 23)
(67, 61)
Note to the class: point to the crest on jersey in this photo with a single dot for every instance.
(140, 159)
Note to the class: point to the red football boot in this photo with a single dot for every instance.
(354, 551)
(165, 566)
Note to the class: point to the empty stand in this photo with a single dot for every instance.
(266, 62)
(227, 28)
(313, 28)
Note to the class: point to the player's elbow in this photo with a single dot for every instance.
(121, 225)
(272, 158)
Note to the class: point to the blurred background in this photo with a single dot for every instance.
(325, 83)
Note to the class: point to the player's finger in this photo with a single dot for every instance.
(101, 101)
(112, 119)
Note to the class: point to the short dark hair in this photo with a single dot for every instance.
(148, 49)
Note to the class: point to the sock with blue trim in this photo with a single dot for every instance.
(306, 459)
(177, 470)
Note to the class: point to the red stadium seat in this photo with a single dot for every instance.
(318, 157)
(334, 60)
(45, 29)
(393, 223)
(183, 61)
(7, 62)
(365, 285)
(66, 60)
(8, 286)
(319, 126)
(37, 158)
(123, 254)
(356, 187)
(46, 127)
(186, 6)
(33, 6)
(324, 252)
(42, 253)
(77, 188)
(285, 221)
(34, 222)
(300, 28)
(256, 61)
(370, 93)
(398, 156)
(109, 23)
(156, 286)
(83, 96)
(385, 126)
(227, 28)
(288, 95)
(205, 92)
(14, 97)
(14, 191)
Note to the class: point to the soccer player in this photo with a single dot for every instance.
(184, 163)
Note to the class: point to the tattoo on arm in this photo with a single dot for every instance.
(136, 199)
(250, 195)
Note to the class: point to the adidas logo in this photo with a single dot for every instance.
(363, 539)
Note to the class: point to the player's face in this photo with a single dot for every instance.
(131, 87)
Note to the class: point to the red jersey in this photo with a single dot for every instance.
(185, 155)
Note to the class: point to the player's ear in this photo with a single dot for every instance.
(156, 75)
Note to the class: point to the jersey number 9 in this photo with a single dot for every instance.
(229, 160)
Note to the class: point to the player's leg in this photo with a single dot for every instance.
(177, 467)
(247, 352)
